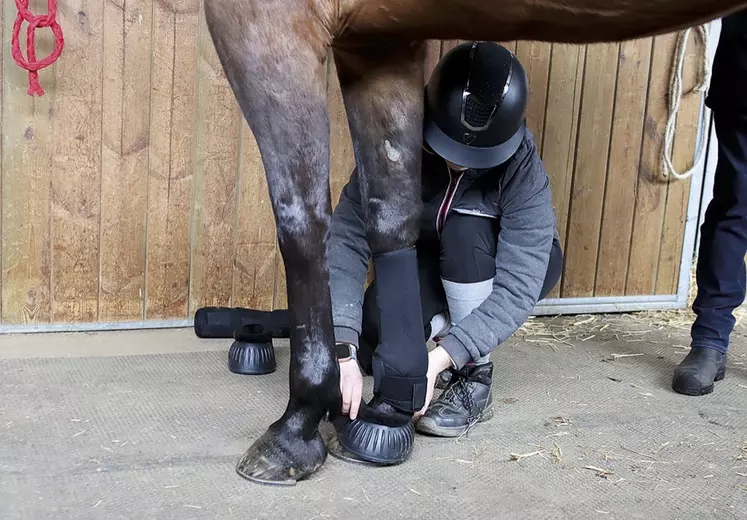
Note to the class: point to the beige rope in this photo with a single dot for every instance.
(675, 97)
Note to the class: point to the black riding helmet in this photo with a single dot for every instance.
(475, 105)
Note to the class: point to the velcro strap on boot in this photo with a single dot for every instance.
(404, 393)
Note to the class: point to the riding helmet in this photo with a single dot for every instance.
(475, 105)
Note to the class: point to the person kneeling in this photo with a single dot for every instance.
(488, 248)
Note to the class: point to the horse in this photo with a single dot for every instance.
(274, 53)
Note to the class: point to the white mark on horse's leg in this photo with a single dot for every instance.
(314, 360)
(392, 153)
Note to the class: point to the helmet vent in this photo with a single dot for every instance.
(476, 115)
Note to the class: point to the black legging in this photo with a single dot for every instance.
(465, 254)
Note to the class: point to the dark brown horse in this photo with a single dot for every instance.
(273, 53)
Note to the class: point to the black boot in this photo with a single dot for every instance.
(697, 372)
(467, 400)
(444, 378)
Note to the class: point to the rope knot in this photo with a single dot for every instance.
(35, 22)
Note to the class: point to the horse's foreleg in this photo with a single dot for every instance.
(273, 58)
(382, 89)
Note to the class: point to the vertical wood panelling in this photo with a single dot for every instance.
(76, 169)
(650, 193)
(125, 149)
(625, 153)
(589, 176)
(25, 177)
(3, 60)
(342, 158)
(172, 141)
(219, 128)
(535, 58)
(254, 263)
(432, 56)
(179, 215)
(561, 126)
(678, 192)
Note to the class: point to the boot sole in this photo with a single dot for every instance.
(702, 390)
(428, 426)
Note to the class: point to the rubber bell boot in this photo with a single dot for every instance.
(252, 352)
(380, 436)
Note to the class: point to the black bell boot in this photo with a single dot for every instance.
(467, 400)
(252, 352)
(697, 372)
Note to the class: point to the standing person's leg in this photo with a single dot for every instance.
(720, 269)
(468, 251)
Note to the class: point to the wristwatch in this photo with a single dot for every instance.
(345, 351)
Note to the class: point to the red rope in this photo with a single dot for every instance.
(35, 22)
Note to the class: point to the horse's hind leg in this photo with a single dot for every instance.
(382, 88)
(273, 53)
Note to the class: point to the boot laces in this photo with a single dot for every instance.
(459, 393)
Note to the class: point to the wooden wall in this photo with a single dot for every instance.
(134, 190)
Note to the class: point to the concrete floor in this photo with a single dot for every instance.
(150, 424)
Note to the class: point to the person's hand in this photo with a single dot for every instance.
(351, 386)
(438, 361)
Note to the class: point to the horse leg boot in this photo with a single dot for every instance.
(382, 88)
(273, 55)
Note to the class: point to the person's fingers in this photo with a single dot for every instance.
(346, 393)
(357, 392)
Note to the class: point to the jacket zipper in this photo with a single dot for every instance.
(443, 210)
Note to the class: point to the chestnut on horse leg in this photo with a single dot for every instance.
(273, 54)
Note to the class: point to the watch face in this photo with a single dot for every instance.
(343, 350)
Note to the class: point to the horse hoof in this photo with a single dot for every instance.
(252, 353)
(282, 460)
(380, 435)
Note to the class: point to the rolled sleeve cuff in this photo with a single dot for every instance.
(456, 350)
(346, 335)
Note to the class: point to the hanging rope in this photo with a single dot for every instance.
(675, 97)
(35, 22)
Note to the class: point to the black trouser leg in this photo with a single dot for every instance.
(468, 248)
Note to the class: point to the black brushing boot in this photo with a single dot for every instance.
(383, 432)
(222, 322)
(697, 372)
(252, 352)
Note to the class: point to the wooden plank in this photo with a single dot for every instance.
(76, 172)
(172, 139)
(342, 158)
(447, 45)
(126, 140)
(432, 57)
(678, 192)
(280, 300)
(25, 177)
(510, 46)
(625, 153)
(535, 58)
(254, 264)
(590, 170)
(219, 133)
(3, 61)
(561, 124)
(650, 192)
